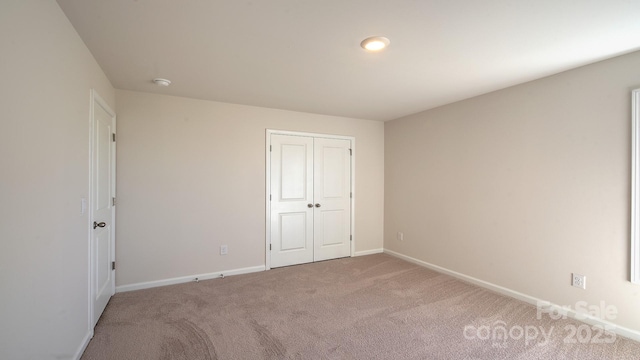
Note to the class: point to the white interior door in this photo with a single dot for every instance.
(291, 200)
(310, 199)
(102, 206)
(332, 196)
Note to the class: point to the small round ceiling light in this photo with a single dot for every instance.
(375, 43)
(161, 82)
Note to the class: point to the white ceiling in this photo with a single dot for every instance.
(304, 55)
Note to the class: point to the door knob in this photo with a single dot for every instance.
(101, 224)
(317, 205)
(309, 205)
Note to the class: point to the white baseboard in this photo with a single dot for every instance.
(83, 345)
(571, 313)
(368, 252)
(185, 279)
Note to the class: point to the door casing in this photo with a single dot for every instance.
(270, 132)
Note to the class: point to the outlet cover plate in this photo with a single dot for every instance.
(579, 281)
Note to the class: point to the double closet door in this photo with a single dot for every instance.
(310, 199)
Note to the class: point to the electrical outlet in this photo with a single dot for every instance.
(579, 281)
(224, 250)
(400, 236)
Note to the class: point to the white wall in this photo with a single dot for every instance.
(522, 187)
(47, 74)
(191, 177)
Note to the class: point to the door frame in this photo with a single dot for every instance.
(635, 186)
(97, 100)
(270, 132)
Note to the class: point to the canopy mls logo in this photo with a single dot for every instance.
(502, 334)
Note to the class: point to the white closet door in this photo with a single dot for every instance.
(332, 199)
(291, 200)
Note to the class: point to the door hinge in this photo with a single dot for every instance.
(270, 148)
(113, 265)
(113, 201)
(350, 152)
(269, 247)
(351, 195)
(350, 237)
(113, 136)
(269, 197)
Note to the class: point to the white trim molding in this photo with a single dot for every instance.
(568, 312)
(83, 345)
(635, 186)
(368, 252)
(186, 279)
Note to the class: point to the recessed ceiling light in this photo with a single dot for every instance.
(161, 82)
(375, 43)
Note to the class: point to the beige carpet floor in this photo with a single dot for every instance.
(370, 307)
